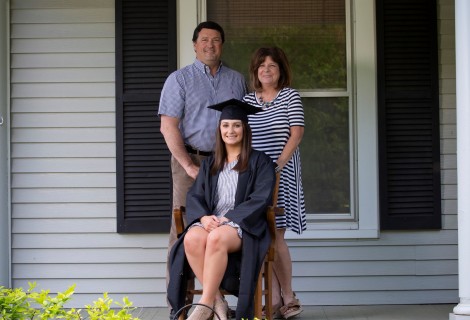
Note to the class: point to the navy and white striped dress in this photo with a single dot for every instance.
(271, 130)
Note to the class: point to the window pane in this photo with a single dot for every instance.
(325, 155)
(312, 33)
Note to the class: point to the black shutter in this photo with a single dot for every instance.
(408, 101)
(145, 55)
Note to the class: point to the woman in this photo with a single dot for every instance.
(225, 209)
(277, 131)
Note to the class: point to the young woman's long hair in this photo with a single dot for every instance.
(220, 154)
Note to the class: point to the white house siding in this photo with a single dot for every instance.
(63, 158)
(63, 181)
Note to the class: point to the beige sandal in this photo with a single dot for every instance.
(221, 308)
(200, 313)
(291, 309)
(276, 312)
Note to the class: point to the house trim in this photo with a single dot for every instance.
(187, 19)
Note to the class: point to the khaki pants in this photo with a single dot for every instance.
(181, 184)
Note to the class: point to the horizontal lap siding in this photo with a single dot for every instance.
(398, 268)
(64, 158)
(447, 102)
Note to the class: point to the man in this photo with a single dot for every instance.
(187, 125)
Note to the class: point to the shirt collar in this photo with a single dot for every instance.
(204, 68)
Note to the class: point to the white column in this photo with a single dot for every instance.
(462, 50)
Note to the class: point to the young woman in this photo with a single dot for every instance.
(227, 236)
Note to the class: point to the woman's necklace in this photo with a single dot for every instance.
(266, 104)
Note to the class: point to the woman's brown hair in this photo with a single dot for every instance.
(278, 56)
(220, 154)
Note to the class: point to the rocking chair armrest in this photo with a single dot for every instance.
(178, 219)
(278, 211)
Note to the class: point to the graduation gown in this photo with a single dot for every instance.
(253, 195)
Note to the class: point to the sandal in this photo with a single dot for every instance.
(276, 312)
(291, 309)
(201, 312)
(222, 309)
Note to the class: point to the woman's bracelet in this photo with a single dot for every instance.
(277, 169)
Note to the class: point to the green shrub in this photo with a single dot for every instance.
(17, 304)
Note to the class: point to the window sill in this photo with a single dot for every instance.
(320, 234)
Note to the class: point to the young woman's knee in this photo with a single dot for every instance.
(195, 239)
(223, 239)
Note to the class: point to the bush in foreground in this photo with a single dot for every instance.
(17, 304)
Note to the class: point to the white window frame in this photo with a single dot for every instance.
(363, 221)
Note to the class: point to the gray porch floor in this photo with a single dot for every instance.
(374, 312)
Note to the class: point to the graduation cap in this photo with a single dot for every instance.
(234, 109)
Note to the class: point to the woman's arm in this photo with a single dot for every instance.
(296, 134)
(295, 115)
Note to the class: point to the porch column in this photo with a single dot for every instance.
(462, 54)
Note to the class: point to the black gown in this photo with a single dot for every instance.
(253, 196)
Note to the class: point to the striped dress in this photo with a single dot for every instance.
(271, 130)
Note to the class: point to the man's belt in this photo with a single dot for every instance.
(198, 152)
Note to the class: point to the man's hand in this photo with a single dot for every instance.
(192, 170)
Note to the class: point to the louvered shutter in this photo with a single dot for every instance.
(408, 101)
(145, 55)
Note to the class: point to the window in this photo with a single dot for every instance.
(314, 36)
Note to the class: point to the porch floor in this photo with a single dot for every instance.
(373, 312)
